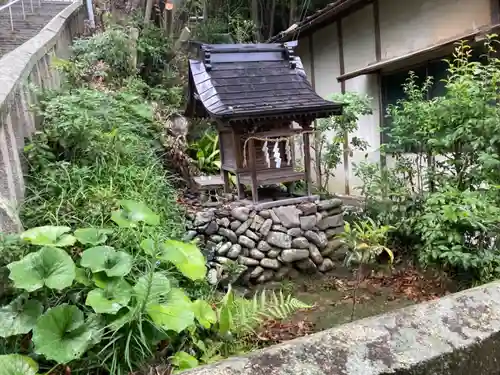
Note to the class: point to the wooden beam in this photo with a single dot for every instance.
(343, 90)
(378, 57)
(224, 173)
(376, 24)
(420, 55)
(307, 162)
(253, 171)
(381, 116)
(238, 161)
(317, 136)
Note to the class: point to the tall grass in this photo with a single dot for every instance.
(95, 149)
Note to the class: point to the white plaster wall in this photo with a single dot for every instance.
(411, 25)
(358, 31)
(302, 51)
(326, 60)
(327, 69)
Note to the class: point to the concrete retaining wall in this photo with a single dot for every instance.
(455, 335)
(28, 64)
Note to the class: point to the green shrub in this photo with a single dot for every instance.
(366, 242)
(82, 301)
(96, 148)
(460, 232)
(332, 131)
(206, 153)
(89, 302)
(111, 47)
(440, 194)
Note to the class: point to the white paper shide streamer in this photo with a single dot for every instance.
(277, 155)
(265, 150)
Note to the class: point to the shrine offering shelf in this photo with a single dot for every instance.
(282, 132)
(272, 176)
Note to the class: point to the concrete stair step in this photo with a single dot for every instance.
(25, 29)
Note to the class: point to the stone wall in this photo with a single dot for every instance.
(270, 243)
(28, 64)
(455, 335)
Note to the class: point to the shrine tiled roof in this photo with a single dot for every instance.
(234, 82)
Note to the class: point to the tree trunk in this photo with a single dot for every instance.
(256, 19)
(293, 12)
(271, 19)
(147, 12)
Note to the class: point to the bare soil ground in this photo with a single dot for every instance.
(332, 299)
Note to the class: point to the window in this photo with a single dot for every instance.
(392, 84)
(392, 89)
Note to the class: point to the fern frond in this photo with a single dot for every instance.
(247, 315)
(277, 306)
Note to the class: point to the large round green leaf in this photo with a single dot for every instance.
(137, 211)
(175, 314)
(183, 361)
(152, 288)
(101, 280)
(15, 364)
(121, 219)
(110, 299)
(149, 246)
(108, 260)
(49, 236)
(204, 313)
(62, 335)
(49, 266)
(82, 276)
(133, 213)
(19, 317)
(92, 236)
(186, 257)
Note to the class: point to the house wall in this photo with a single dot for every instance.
(407, 26)
(326, 65)
(404, 27)
(358, 33)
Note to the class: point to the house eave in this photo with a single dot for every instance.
(405, 60)
(318, 20)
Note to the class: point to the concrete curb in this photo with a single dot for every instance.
(455, 335)
(18, 63)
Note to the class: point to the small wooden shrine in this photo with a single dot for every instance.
(260, 99)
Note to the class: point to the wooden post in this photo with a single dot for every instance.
(169, 20)
(134, 35)
(184, 37)
(253, 169)
(224, 173)
(307, 162)
(237, 155)
(147, 11)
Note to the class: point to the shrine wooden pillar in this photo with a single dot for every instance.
(223, 160)
(307, 155)
(252, 164)
(238, 162)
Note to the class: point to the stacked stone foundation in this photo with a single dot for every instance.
(269, 243)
